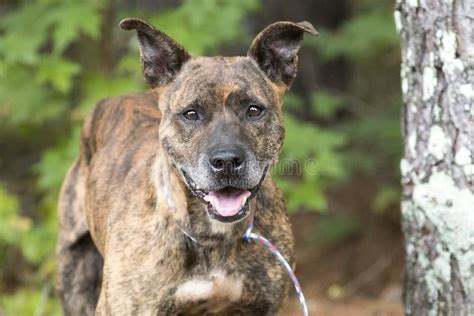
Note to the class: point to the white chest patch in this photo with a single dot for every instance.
(217, 287)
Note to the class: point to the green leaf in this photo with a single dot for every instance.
(39, 243)
(304, 141)
(57, 71)
(72, 18)
(362, 37)
(21, 40)
(25, 100)
(12, 224)
(27, 301)
(314, 153)
(97, 86)
(293, 102)
(307, 194)
(385, 197)
(334, 228)
(55, 162)
(325, 104)
(201, 26)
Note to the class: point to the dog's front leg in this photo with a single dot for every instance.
(141, 269)
(131, 296)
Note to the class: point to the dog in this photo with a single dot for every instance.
(154, 208)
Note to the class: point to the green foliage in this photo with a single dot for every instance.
(30, 302)
(37, 83)
(204, 25)
(376, 140)
(368, 110)
(35, 242)
(357, 130)
(35, 70)
(334, 228)
(59, 159)
(58, 72)
(56, 20)
(362, 37)
(325, 104)
(52, 72)
(385, 197)
(12, 224)
(316, 152)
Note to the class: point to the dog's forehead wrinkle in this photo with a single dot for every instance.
(218, 82)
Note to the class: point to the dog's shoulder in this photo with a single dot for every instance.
(117, 119)
(119, 139)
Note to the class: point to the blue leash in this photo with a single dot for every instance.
(265, 242)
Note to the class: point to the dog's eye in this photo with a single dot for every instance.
(191, 115)
(254, 111)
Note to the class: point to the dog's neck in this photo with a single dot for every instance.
(175, 202)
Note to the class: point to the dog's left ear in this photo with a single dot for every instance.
(161, 56)
(275, 49)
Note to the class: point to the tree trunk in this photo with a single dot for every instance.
(437, 74)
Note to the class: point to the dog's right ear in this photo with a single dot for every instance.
(161, 57)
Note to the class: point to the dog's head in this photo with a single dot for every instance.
(222, 122)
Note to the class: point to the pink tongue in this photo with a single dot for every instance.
(227, 202)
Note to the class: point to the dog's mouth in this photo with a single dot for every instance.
(228, 204)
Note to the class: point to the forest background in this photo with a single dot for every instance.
(58, 58)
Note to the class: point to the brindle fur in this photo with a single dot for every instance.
(121, 250)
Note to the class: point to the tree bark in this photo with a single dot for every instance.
(437, 75)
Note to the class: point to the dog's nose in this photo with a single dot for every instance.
(226, 161)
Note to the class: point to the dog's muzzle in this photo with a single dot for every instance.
(228, 204)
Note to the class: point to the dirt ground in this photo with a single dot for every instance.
(353, 307)
(357, 275)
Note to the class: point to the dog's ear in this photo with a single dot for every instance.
(161, 57)
(275, 49)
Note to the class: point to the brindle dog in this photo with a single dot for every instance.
(154, 208)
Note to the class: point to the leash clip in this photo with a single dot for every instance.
(248, 232)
